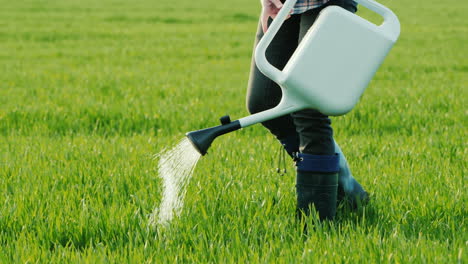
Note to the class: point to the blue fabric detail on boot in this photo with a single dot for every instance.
(318, 163)
(290, 143)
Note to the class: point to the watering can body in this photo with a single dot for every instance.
(329, 70)
(334, 62)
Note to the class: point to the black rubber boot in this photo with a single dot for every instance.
(317, 184)
(350, 192)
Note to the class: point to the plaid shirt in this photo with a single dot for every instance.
(304, 5)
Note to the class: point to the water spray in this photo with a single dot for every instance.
(309, 78)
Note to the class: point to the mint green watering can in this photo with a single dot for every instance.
(309, 79)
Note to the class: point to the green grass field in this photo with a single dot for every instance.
(90, 90)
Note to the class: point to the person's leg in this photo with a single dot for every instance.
(291, 142)
(350, 192)
(263, 93)
(316, 134)
(317, 164)
(314, 128)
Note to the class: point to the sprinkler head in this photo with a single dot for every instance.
(202, 139)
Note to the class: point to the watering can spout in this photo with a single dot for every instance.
(202, 139)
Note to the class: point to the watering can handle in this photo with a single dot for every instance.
(260, 59)
(390, 26)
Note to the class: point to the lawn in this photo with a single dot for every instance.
(91, 90)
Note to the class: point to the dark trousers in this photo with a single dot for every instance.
(314, 129)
